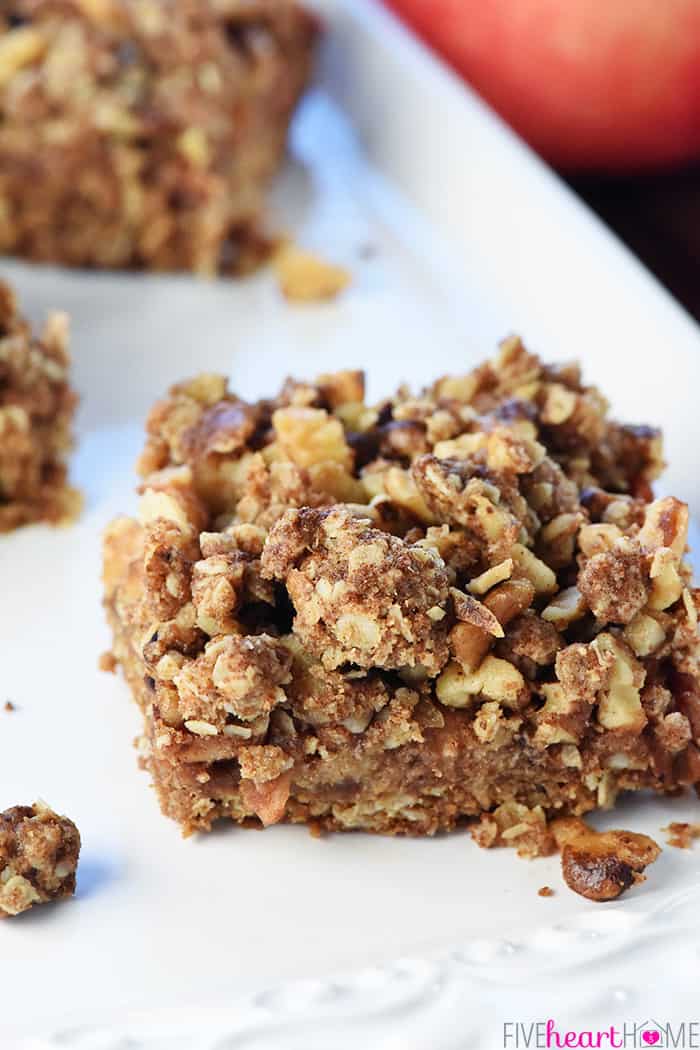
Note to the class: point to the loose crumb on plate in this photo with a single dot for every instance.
(601, 865)
(39, 853)
(9, 706)
(304, 277)
(107, 662)
(545, 891)
(680, 834)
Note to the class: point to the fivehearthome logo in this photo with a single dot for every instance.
(632, 1035)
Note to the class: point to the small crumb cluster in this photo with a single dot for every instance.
(457, 604)
(38, 858)
(681, 834)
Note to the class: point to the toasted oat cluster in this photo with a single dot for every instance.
(142, 133)
(37, 407)
(38, 857)
(458, 604)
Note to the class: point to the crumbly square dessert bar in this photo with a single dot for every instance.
(38, 857)
(462, 604)
(37, 406)
(142, 133)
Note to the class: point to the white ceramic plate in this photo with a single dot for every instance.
(455, 236)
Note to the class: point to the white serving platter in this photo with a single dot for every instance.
(455, 235)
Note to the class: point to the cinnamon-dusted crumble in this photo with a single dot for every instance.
(143, 133)
(38, 857)
(457, 604)
(37, 406)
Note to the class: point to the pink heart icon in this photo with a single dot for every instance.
(651, 1038)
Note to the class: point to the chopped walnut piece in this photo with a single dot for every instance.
(598, 538)
(563, 718)
(601, 865)
(469, 645)
(510, 599)
(266, 776)
(666, 582)
(565, 608)
(620, 705)
(644, 634)
(665, 525)
(38, 857)
(493, 679)
(310, 436)
(469, 610)
(533, 569)
(491, 577)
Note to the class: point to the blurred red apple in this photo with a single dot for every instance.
(611, 85)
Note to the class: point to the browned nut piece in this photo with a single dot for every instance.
(566, 607)
(510, 599)
(469, 645)
(342, 388)
(491, 577)
(601, 865)
(665, 525)
(266, 779)
(469, 610)
(38, 857)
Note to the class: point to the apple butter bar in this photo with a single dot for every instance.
(142, 133)
(37, 406)
(461, 604)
